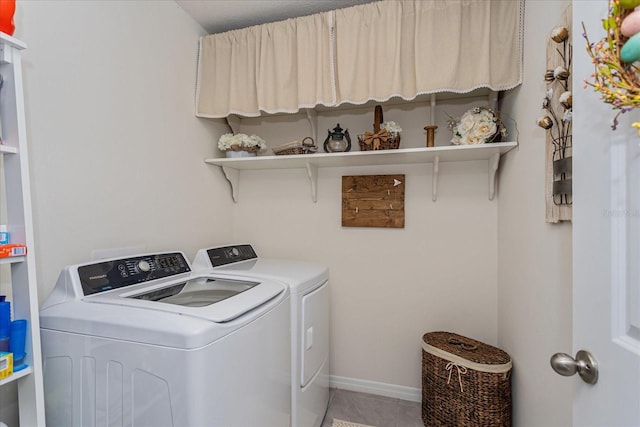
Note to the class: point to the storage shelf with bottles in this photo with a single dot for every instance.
(19, 220)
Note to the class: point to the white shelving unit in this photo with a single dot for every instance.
(311, 162)
(24, 297)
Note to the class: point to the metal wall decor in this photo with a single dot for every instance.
(556, 120)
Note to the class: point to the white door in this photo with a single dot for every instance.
(606, 243)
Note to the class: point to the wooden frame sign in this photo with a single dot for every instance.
(373, 201)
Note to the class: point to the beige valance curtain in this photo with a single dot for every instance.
(407, 48)
(277, 67)
(375, 51)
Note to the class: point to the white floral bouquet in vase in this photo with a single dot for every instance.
(478, 125)
(233, 145)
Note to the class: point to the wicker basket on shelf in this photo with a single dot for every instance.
(380, 139)
(307, 146)
(465, 383)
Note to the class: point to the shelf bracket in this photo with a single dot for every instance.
(432, 110)
(233, 176)
(234, 123)
(493, 99)
(434, 189)
(312, 116)
(312, 173)
(494, 161)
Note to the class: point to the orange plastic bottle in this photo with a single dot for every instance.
(7, 9)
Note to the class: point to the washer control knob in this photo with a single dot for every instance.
(144, 266)
(235, 252)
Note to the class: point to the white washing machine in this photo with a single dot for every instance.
(144, 341)
(309, 286)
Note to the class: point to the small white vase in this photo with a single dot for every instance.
(232, 154)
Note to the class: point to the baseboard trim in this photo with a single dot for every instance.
(374, 387)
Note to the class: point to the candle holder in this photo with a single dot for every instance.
(431, 135)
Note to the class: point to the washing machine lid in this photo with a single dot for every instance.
(215, 298)
(300, 276)
(145, 297)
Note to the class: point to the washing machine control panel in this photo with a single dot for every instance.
(230, 254)
(107, 275)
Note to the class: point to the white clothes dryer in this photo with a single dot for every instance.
(309, 287)
(144, 341)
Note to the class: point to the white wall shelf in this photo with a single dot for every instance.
(8, 149)
(19, 220)
(12, 260)
(311, 162)
(16, 375)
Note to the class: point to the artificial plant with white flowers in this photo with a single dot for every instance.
(241, 142)
(391, 127)
(477, 126)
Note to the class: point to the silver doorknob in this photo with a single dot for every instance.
(584, 364)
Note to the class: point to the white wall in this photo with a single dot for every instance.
(534, 268)
(388, 286)
(116, 151)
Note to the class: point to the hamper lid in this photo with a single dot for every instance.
(466, 351)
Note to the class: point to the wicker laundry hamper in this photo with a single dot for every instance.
(465, 383)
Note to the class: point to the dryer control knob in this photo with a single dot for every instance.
(144, 266)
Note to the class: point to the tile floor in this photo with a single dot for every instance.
(378, 411)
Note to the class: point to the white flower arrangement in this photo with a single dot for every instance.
(477, 126)
(391, 127)
(241, 142)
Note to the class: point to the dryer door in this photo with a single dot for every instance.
(315, 332)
